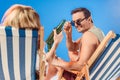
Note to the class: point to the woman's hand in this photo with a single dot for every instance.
(58, 37)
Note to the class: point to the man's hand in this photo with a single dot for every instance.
(67, 28)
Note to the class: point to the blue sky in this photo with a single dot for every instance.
(105, 14)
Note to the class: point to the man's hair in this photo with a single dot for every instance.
(84, 10)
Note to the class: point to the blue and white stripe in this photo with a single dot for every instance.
(18, 48)
(107, 65)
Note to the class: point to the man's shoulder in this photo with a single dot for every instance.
(97, 32)
(87, 34)
(89, 37)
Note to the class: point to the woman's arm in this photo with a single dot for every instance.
(57, 40)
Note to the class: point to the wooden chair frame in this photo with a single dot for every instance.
(41, 54)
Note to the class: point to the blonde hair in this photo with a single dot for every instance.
(21, 16)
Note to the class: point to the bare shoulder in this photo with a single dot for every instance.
(89, 37)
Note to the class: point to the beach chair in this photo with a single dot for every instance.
(104, 64)
(18, 50)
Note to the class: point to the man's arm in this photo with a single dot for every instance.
(73, 54)
(89, 44)
(69, 43)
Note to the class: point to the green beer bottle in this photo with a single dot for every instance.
(50, 40)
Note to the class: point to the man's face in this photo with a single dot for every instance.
(80, 22)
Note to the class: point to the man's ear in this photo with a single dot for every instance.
(90, 19)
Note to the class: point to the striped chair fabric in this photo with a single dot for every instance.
(18, 48)
(107, 66)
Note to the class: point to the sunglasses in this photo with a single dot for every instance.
(78, 22)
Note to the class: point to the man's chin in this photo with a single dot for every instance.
(79, 31)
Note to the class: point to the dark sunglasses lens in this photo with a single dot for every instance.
(72, 23)
(78, 22)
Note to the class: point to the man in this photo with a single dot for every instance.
(82, 49)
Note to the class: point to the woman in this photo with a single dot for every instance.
(21, 16)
